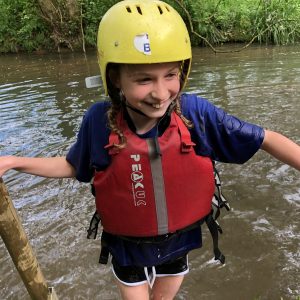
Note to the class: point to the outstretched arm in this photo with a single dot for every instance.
(282, 148)
(55, 167)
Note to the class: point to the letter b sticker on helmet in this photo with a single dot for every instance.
(142, 43)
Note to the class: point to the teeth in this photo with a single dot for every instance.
(156, 105)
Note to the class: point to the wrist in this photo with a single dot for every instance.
(6, 163)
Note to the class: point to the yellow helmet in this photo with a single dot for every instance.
(142, 32)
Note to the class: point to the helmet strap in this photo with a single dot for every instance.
(125, 103)
(134, 109)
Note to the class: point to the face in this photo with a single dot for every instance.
(149, 88)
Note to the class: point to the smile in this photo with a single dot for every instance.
(157, 105)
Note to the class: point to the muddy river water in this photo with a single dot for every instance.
(42, 100)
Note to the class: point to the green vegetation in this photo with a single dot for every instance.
(30, 25)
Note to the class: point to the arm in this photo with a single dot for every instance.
(282, 148)
(55, 167)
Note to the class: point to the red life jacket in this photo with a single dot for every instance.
(144, 193)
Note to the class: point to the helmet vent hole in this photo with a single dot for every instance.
(138, 8)
(167, 8)
(160, 10)
(128, 9)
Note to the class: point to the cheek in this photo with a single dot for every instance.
(138, 90)
(175, 86)
(134, 93)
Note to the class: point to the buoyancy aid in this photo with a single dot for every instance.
(154, 186)
(218, 202)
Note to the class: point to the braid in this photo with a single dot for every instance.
(115, 108)
(184, 70)
(112, 113)
(178, 111)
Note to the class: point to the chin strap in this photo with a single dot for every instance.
(126, 104)
(134, 109)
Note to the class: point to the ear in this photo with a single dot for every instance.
(114, 78)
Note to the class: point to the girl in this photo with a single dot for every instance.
(149, 149)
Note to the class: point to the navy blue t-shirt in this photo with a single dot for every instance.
(218, 135)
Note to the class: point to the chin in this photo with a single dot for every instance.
(156, 114)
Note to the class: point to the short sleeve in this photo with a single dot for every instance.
(88, 153)
(219, 135)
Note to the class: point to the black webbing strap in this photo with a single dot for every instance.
(218, 202)
(94, 224)
(214, 229)
(104, 253)
(92, 234)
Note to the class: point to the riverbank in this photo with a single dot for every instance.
(50, 25)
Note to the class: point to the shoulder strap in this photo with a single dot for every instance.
(186, 142)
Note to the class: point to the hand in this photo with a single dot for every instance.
(5, 162)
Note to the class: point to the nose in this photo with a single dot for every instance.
(160, 91)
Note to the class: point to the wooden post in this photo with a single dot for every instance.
(19, 248)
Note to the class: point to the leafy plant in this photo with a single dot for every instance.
(28, 25)
(277, 21)
(21, 27)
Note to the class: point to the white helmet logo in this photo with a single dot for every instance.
(142, 43)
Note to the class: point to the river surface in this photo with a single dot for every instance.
(42, 100)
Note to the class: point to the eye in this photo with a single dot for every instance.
(172, 75)
(143, 80)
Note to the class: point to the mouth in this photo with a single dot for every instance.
(157, 105)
